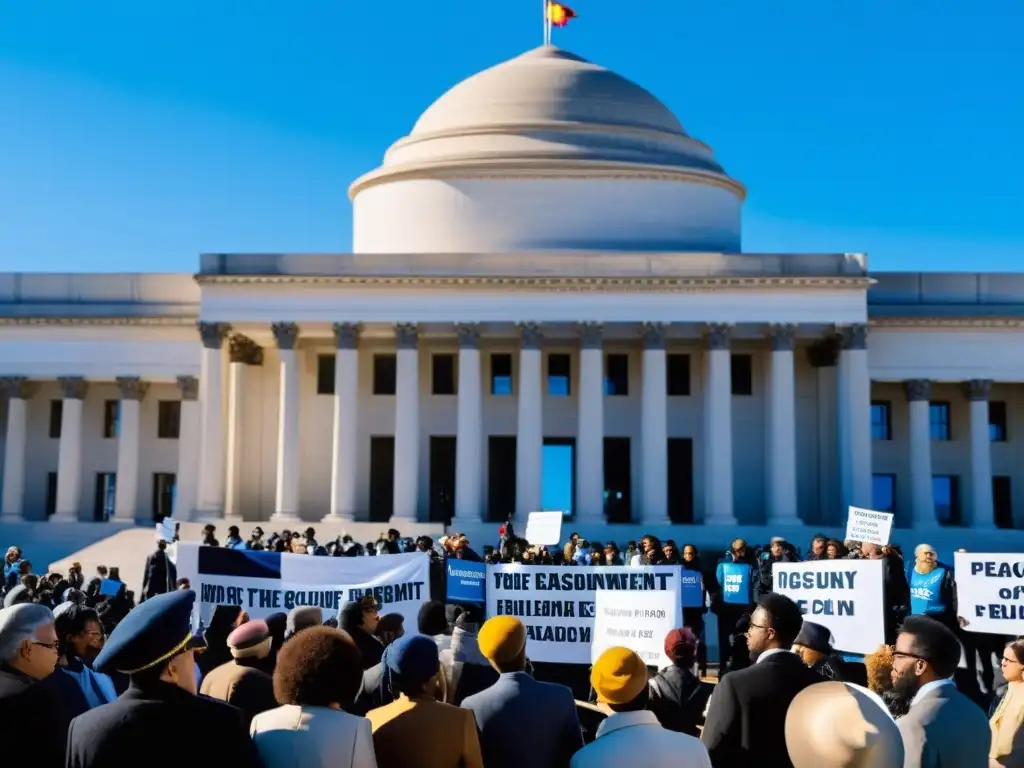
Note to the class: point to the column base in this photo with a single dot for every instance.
(10, 518)
(285, 517)
(205, 516)
(65, 517)
(723, 521)
(653, 521)
(338, 517)
(785, 522)
(397, 522)
(122, 520)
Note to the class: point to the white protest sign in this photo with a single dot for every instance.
(868, 525)
(635, 620)
(543, 529)
(844, 595)
(263, 583)
(557, 604)
(990, 592)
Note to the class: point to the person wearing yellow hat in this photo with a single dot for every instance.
(518, 716)
(619, 679)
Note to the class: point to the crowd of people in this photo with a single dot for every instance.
(361, 689)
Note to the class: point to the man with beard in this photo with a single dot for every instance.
(746, 721)
(942, 727)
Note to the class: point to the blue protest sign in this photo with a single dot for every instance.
(110, 587)
(466, 581)
(691, 589)
(735, 581)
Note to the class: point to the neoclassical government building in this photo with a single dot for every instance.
(546, 305)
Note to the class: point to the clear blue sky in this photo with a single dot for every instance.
(135, 135)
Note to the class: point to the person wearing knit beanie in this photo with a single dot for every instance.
(244, 682)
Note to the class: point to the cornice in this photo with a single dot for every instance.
(995, 323)
(166, 322)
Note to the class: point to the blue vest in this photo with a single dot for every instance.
(736, 583)
(926, 592)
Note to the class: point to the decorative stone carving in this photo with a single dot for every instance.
(978, 390)
(189, 386)
(824, 353)
(531, 335)
(407, 335)
(918, 389)
(718, 335)
(242, 349)
(654, 335)
(853, 337)
(783, 337)
(18, 387)
(346, 335)
(469, 335)
(213, 334)
(132, 387)
(73, 387)
(286, 335)
(591, 335)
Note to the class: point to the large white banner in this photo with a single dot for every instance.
(639, 621)
(263, 583)
(844, 595)
(557, 604)
(990, 592)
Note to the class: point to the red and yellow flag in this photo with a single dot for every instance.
(559, 14)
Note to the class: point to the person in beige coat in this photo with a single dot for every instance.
(243, 681)
(318, 672)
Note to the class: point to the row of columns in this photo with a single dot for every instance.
(19, 390)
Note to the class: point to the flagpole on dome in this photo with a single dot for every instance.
(547, 22)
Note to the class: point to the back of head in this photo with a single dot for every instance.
(18, 624)
(432, 618)
(412, 661)
(502, 641)
(318, 667)
(785, 617)
(841, 725)
(935, 643)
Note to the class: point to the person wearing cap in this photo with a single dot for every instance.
(539, 719)
(631, 734)
(159, 719)
(360, 618)
(814, 647)
(677, 694)
(243, 682)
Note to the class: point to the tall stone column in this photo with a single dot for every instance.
(781, 464)
(18, 390)
(344, 455)
(718, 495)
(242, 353)
(469, 447)
(921, 496)
(187, 478)
(983, 514)
(530, 423)
(210, 505)
(654, 427)
(286, 506)
(854, 402)
(407, 425)
(823, 356)
(69, 461)
(590, 427)
(126, 492)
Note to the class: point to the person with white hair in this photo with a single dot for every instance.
(32, 698)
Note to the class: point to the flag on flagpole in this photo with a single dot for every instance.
(559, 14)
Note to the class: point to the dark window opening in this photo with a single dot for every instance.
(618, 480)
(443, 375)
(385, 374)
(442, 479)
(56, 417)
(501, 374)
(168, 420)
(616, 375)
(677, 373)
(742, 375)
(559, 375)
(325, 365)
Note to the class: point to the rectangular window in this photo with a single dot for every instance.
(997, 421)
(1002, 501)
(946, 492)
(742, 375)
(443, 374)
(883, 493)
(559, 370)
(111, 418)
(51, 492)
(325, 374)
(616, 375)
(938, 414)
(881, 420)
(168, 419)
(677, 374)
(385, 374)
(501, 374)
(164, 489)
(106, 493)
(56, 414)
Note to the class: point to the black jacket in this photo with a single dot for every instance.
(160, 726)
(677, 699)
(160, 575)
(746, 722)
(45, 707)
(370, 648)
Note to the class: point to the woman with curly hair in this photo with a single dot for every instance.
(879, 667)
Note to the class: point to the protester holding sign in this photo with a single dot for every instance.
(732, 600)
(932, 587)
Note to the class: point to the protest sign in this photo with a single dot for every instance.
(844, 595)
(165, 529)
(544, 529)
(635, 620)
(735, 580)
(990, 592)
(691, 589)
(263, 583)
(466, 581)
(557, 604)
(111, 587)
(868, 525)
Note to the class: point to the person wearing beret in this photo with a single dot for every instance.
(631, 734)
(159, 720)
(416, 729)
(538, 718)
(242, 682)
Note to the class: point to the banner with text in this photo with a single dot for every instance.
(466, 581)
(844, 595)
(638, 621)
(263, 583)
(868, 525)
(557, 604)
(990, 592)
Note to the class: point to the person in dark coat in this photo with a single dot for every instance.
(223, 622)
(746, 721)
(814, 647)
(359, 618)
(160, 573)
(895, 590)
(677, 695)
(159, 721)
(242, 682)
